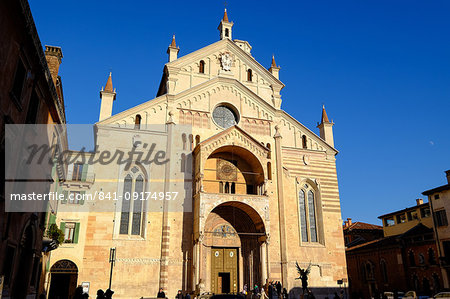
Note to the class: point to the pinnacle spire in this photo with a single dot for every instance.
(109, 85)
(274, 64)
(173, 44)
(324, 115)
(225, 16)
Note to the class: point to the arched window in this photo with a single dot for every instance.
(308, 209)
(270, 153)
(132, 211)
(421, 259)
(137, 122)
(183, 137)
(384, 271)
(249, 75)
(304, 143)
(197, 140)
(191, 142)
(412, 260)
(227, 187)
(369, 271)
(233, 188)
(269, 171)
(201, 67)
(431, 256)
(227, 32)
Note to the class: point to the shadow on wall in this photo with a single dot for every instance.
(319, 293)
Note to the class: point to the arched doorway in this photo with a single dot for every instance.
(235, 247)
(64, 275)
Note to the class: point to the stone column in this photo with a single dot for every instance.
(281, 213)
(165, 238)
(264, 262)
(197, 263)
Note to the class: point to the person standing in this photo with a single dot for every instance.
(179, 295)
(109, 293)
(270, 290)
(161, 293)
(279, 289)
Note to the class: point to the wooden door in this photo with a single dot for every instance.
(224, 260)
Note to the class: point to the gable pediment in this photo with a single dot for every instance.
(234, 136)
(214, 51)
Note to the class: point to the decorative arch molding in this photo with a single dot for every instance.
(255, 211)
(244, 96)
(64, 266)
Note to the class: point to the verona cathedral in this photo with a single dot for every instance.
(237, 191)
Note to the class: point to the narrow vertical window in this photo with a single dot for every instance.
(197, 140)
(431, 256)
(384, 271)
(249, 75)
(227, 187)
(125, 214)
(137, 206)
(191, 142)
(183, 137)
(269, 171)
(77, 172)
(201, 67)
(19, 80)
(303, 227)
(33, 108)
(227, 32)
(233, 188)
(312, 216)
(304, 144)
(137, 122)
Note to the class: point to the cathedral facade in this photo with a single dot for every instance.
(259, 189)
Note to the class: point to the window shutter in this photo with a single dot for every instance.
(66, 195)
(81, 201)
(77, 231)
(70, 172)
(84, 172)
(51, 220)
(62, 226)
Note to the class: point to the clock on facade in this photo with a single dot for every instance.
(224, 116)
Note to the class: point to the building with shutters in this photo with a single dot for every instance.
(258, 189)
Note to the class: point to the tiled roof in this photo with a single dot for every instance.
(363, 226)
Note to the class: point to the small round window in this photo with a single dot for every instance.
(224, 116)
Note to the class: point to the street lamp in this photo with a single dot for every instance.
(112, 260)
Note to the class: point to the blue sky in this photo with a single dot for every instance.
(382, 68)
